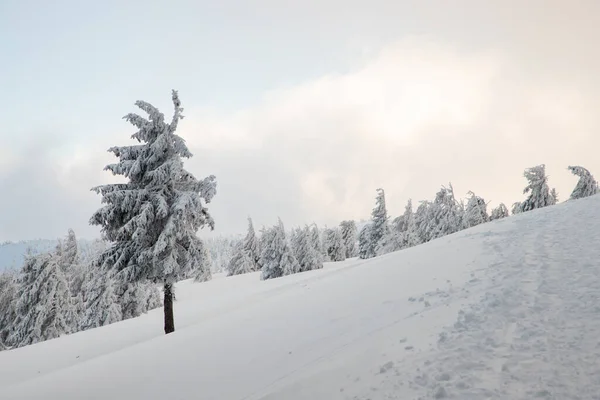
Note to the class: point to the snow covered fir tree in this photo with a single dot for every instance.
(586, 185)
(370, 238)
(538, 190)
(348, 232)
(277, 257)
(152, 219)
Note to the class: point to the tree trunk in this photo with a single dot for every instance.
(168, 307)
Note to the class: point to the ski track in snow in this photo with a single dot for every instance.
(508, 310)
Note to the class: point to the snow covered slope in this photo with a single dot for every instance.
(506, 310)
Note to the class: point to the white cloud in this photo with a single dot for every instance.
(418, 115)
(413, 117)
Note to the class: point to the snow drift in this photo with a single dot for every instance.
(504, 310)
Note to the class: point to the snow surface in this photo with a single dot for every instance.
(505, 310)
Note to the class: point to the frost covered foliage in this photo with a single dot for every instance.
(202, 272)
(251, 245)
(277, 258)
(315, 239)
(475, 211)
(586, 186)
(8, 298)
(334, 245)
(499, 212)
(152, 219)
(419, 229)
(397, 236)
(538, 190)
(377, 230)
(516, 208)
(364, 242)
(241, 262)
(101, 301)
(138, 298)
(304, 250)
(446, 214)
(220, 249)
(43, 302)
(348, 232)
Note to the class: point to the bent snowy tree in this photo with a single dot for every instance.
(152, 219)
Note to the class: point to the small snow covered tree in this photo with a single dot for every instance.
(538, 190)
(554, 196)
(241, 262)
(277, 257)
(315, 239)
(419, 230)
(586, 186)
(251, 246)
(379, 220)
(516, 208)
(334, 245)
(446, 214)
(43, 303)
(499, 212)
(348, 232)
(307, 256)
(8, 300)
(68, 254)
(364, 242)
(475, 212)
(152, 219)
(202, 272)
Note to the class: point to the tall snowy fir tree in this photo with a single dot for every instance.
(152, 219)
(499, 212)
(475, 211)
(538, 189)
(377, 228)
(277, 257)
(251, 246)
(586, 185)
(348, 231)
(334, 245)
(43, 301)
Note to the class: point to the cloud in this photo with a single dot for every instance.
(416, 115)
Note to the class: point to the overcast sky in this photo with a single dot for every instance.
(301, 109)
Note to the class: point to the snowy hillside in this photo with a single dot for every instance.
(504, 310)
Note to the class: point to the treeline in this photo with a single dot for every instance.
(445, 215)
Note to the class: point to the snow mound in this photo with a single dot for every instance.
(505, 310)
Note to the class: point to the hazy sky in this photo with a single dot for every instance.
(301, 109)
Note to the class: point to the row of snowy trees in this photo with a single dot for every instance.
(278, 253)
(446, 215)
